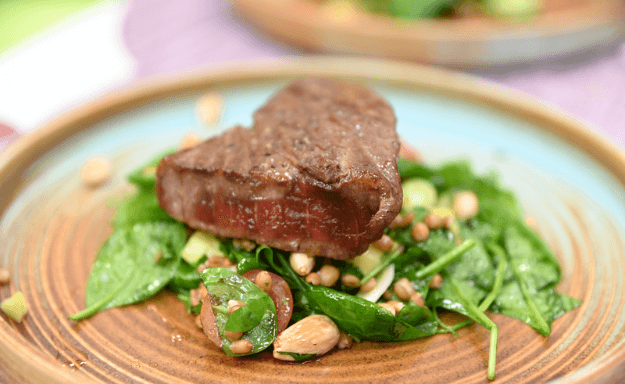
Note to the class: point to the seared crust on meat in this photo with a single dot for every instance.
(316, 173)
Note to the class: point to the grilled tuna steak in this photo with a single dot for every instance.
(317, 173)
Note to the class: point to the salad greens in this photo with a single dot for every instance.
(491, 262)
(429, 9)
(141, 208)
(134, 264)
(257, 318)
(144, 176)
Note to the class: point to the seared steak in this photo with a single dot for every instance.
(317, 173)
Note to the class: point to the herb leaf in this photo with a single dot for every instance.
(142, 207)
(299, 356)
(185, 297)
(144, 176)
(354, 315)
(530, 295)
(446, 259)
(186, 278)
(257, 318)
(127, 269)
(246, 260)
(246, 317)
(410, 169)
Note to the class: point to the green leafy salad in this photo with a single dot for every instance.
(430, 9)
(460, 244)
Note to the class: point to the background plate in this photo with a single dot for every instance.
(568, 178)
(563, 28)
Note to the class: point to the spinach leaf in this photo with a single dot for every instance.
(439, 243)
(351, 269)
(530, 295)
(302, 307)
(299, 356)
(354, 315)
(133, 264)
(185, 297)
(404, 331)
(422, 9)
(536, 264)
(498, 206)
(246, 317)
(144, 176)
(419, 213)
(476, 264)
(410, 169)
(246, 260)
(363, 319)
(142, 207)
(377, 6)
(186, 277)
(457, 174)
(413, 256)
(468, 272)
(248, 264)
(413, 315)
(257, 318)
(446, 296)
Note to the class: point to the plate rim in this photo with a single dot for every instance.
(462, 43)
(14, 161)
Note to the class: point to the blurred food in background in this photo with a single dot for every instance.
(455, 33)
(430, 9)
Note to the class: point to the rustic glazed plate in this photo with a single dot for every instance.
(563, 28)
(568, 178)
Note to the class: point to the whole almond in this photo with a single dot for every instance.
(313, 335)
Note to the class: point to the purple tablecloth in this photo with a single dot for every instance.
(173, 36)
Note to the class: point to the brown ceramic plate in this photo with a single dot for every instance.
(569, 179)
(563, 28)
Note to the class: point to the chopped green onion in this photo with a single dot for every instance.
(479, 316)
(446, 328)
(446, 259)
(457, 326)
(501, 271)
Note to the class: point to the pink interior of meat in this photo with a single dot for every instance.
(312, 215)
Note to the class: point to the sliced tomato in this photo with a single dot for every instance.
(281, 295)
(207, 317)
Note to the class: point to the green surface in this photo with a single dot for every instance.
(20, 19)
